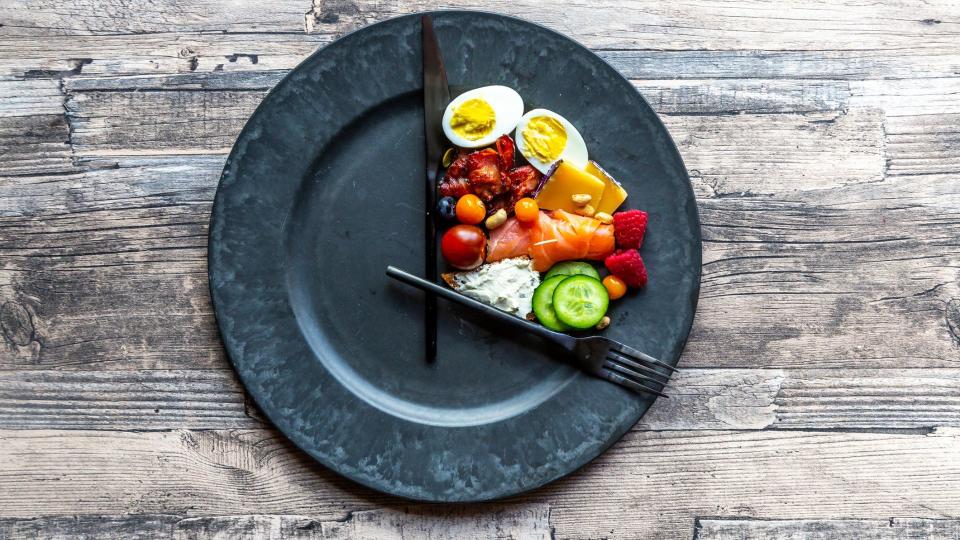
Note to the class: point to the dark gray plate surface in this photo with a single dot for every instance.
(323, 190)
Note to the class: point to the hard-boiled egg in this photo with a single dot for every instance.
(544, 137)
(477, 117)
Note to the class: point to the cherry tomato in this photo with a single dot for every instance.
(615, 286)
(464, 246)
(470, 209)
(526, 210)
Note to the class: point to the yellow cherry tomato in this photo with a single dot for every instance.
(470, 209)
(615, 286)
(526, 210)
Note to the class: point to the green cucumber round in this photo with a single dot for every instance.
(543, 304)
(572, 268)
(580, 301)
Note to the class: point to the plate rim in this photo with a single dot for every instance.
(615, 435)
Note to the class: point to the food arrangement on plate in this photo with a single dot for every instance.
(531, 216)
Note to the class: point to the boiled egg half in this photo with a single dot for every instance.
(544, 137)
(478, 117)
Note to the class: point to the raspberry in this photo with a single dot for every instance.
(629, 227)
(627, 265)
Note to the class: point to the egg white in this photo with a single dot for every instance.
(506, 103)
(575, 152)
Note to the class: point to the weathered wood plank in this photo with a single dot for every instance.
(824, 529)
(700, 399)
(162, 54)
(923, 144)
(830, 282)
(924, 95)
(415, 522)
(808, 399)
(649, 485)
(153, 54)
(137, 527)
(34, 145)
(754, 155)
(45, 17)
(124, 399)
(794, 25)
(526, 522)
(108, 267)
(730, 96)
(121, 122)
(34, 134)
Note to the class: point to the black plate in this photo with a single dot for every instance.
(323, 190)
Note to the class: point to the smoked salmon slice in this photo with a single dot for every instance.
(556, 236)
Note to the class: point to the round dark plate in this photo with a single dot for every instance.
(324, 189)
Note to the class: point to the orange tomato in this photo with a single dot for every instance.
(615, 286)
(526, 210)
(470, 209)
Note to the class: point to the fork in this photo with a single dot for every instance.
(599, 356)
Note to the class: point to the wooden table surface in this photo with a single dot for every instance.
(821, 395)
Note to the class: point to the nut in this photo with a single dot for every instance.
(581, 199)
(587, 211)
(496, 219)
(604, 322)
(604, 217)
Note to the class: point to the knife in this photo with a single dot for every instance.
(436, 96)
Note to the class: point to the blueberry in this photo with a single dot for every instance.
(447, 208)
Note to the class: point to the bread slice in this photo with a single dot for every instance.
(507, 285)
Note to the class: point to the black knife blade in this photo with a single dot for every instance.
(436, 96)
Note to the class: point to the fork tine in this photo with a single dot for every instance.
(623, 381)
(637, 355)
(633, 375)
(616, 357)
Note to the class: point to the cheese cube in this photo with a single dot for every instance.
(613, 194)
(565, 182)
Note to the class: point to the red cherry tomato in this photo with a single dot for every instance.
(464, 246)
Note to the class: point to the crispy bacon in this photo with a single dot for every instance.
(484, 175)
(454, 187)
(489, 174)
(522, 181)
(458, 169)
(506, 149)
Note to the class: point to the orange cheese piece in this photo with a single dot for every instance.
(613, 193)
(565, 182)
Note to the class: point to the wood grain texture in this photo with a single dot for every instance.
(649, 485)
(108, 267)
(700, 399)
(820, 398)
(793, 25)
(526, 523)
(83, 57)
(814, 529)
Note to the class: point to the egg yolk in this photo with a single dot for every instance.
(544, 138)
(473, 119)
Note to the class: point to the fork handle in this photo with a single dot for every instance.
(563, 340)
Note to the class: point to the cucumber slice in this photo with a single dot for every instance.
(580, 301)
(572, 268)
(543, 304)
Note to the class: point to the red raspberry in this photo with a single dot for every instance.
(627, 265)
(629, 227)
